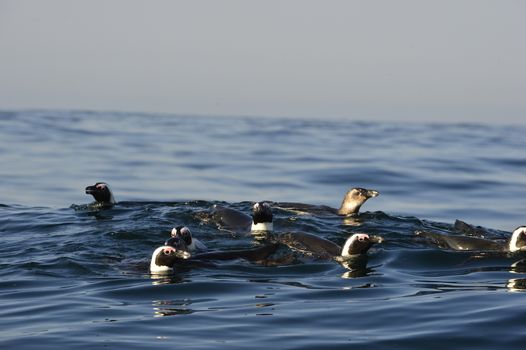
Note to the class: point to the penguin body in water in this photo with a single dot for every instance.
(517, 241)
(239, 222)
(350, 206)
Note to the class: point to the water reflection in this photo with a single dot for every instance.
(166, 278)
(264, 306)
(352, 221)
(178, 307)
(518, 266)
(162, 308)
(517, 284)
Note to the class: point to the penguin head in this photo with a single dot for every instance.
(359, 243)
(101, 192)
(164, 258)
(261, 213)
(183, 233)
(178, 243)
(354, 199)
(518, 239)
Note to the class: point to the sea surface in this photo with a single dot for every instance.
(79, 279)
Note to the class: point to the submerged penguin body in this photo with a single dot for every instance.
(166, 258)
(237, 221)
(459, 242)
(350, 206)
(321, 248)
(517, 241)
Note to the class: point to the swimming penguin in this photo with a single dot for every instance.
(262, 217)
(166, 257)
(517, 242)
(102, 193)
(103, 198)
(183, 232)
(470, 230)
(321, 248)
(354, 199)
(234, 220)
(351, 203)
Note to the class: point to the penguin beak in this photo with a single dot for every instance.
(184, 255)
(372, 193)
(90, 189)
(181, 254)
(375, 239)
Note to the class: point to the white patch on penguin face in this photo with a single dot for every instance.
(181, 230)
(154, 268)
(350, 241)
(261, 205)
(262, 226)
(517, 239)
(166, 250)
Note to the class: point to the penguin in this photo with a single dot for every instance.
(354, 199)
(183, 232)
(351, 203)
(517, 241)
(165, 258)
(102, 193)
(262, 217)
(103, 198)
(237, 221)
(321, 248)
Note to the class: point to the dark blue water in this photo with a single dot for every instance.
(80, 279)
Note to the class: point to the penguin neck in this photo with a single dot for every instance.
(105, 199)
(512, 246)
(346, 248)
(262, 226)
(196, 245)
(154, 268)
(349, 208)
(109, 203)
(112, 199)
(192, 246)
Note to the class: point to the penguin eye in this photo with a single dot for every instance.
(168, 251)
(363, 237)
(100, 186)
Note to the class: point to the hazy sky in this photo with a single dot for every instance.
(393, 60)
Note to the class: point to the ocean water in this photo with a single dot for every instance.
(80, 279)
